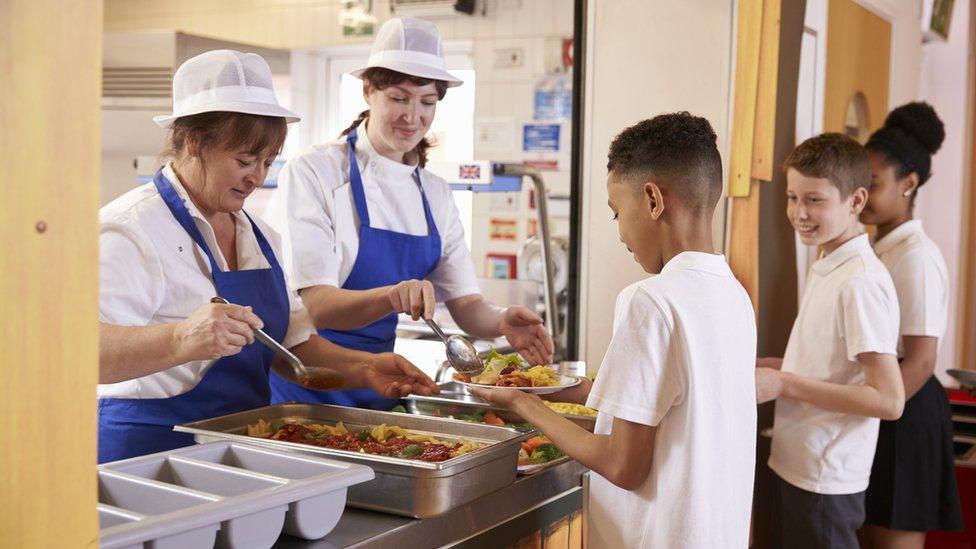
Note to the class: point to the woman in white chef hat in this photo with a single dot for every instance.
(369, 233)
(168, 355)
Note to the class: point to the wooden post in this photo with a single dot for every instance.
(761, 246)
(50, 59)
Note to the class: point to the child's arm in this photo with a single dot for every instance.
(919, 362)
(882, 395)
(575, 395)
(622, 457)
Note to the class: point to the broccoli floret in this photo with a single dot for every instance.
(474, 418)
(412, 450)
(544, 453)
(363, 435)
(399, 408)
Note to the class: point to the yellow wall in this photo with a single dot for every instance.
(50, 59)
(858, 60)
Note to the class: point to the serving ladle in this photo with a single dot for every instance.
(460, 352)
(308, 376)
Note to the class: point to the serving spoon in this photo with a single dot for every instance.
(460, 352)
(311, 377)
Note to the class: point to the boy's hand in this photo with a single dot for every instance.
(503, 398)
(770, 384)
(576, 395)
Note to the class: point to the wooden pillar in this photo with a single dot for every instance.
(50, 59)
(761, 246)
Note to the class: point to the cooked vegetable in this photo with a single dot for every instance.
(399, 408)
(545, 452)
(492, 419)
(412, 450)
(570, 408)
(534, 442)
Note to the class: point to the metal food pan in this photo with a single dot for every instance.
(454, 399)
(402, 486)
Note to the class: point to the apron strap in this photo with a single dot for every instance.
(356, 180)
(182, 215)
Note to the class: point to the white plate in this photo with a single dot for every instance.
(565, 382)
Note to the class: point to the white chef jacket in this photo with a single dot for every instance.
(921, 280)
(682, 359)
(313, 210)
(151, 272)
(849, 307)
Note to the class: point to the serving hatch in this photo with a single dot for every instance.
(402, 486)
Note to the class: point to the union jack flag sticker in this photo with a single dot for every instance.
(469, 171)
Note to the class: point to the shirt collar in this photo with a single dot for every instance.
(391, 166)
(853, 247)
(898, 235)
(698, 261)
(191, 207)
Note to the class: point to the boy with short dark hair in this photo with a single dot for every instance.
(839, 373)
(674, 447)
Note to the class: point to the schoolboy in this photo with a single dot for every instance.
(839, 373)
(674, 447)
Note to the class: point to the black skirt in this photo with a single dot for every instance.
(913, 479)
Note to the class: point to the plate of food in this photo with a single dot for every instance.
(511, 372)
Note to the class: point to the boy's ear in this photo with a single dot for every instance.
(654, 199)
(859, 199)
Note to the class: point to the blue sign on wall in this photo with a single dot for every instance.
(540, 138)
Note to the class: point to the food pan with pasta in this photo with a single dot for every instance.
(479, 459)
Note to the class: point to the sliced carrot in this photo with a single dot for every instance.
(492, 419)
(527, 448)
(536, 441)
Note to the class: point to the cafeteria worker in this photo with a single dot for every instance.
(168, 355)
(369, 233)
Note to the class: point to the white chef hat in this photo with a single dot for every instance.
(224, 80)
(409, 46)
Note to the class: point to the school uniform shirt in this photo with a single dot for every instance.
(921, 280)
(849, 307)
(682, 359)
(151, 272)
(313, 209)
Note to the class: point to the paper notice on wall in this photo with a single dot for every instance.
(503, 229)
(495, 133)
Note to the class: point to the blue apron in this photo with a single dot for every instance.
(129, 427)
(384, 258)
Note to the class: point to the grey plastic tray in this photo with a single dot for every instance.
(224, 494)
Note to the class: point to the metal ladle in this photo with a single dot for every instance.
(460, 352)
(312, 377)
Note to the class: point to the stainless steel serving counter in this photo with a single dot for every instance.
(529, 505)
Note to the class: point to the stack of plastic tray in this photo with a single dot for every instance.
(226, 494)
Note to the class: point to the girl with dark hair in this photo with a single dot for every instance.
(167, 354)
(369, 233)
(913, 483)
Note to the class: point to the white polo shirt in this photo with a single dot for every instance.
(921, 280)
(682, 358)
(151, 272)
(313, 210)
(849, 307)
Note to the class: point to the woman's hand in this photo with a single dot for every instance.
(770, 384)
(527, 334)
(414, 297)
(215, 330)
(392, 376)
